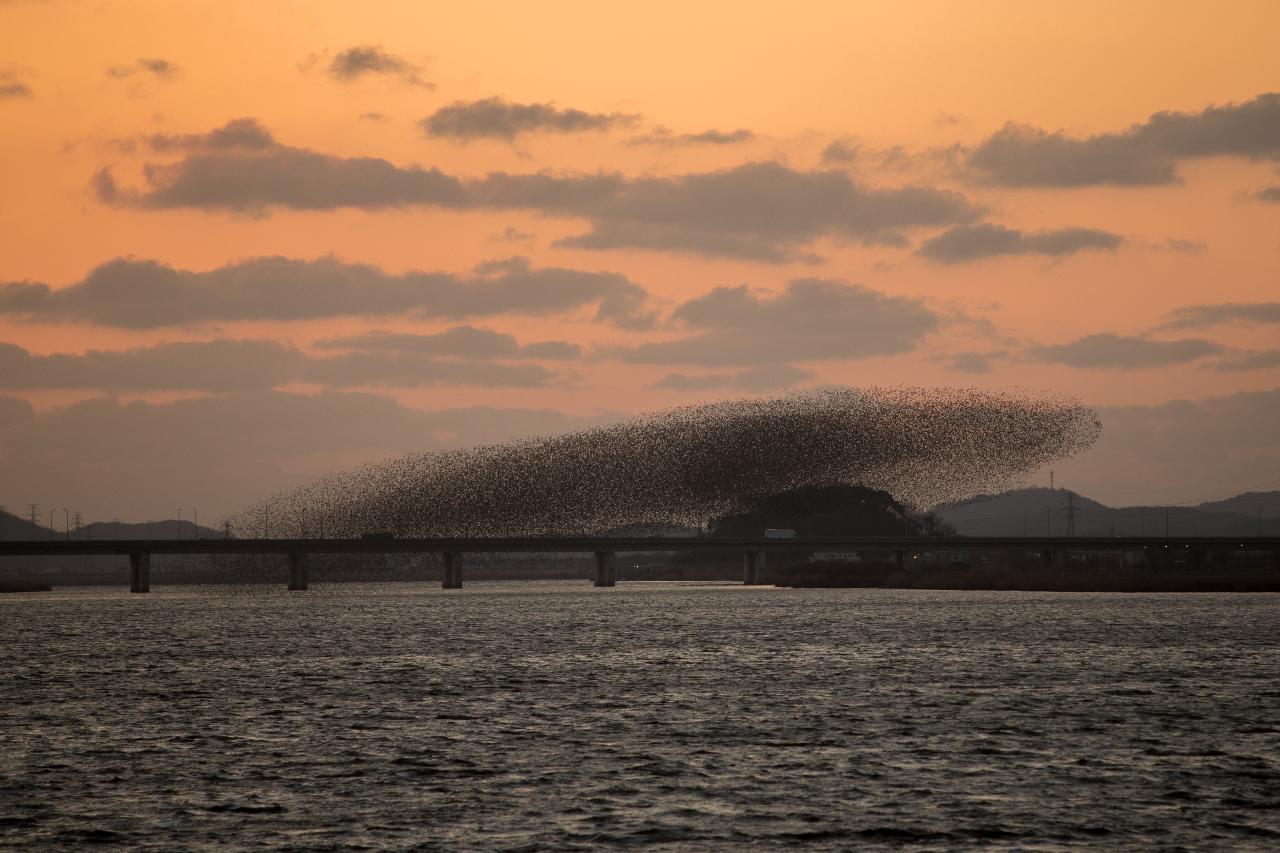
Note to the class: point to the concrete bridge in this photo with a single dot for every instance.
(1199, 550)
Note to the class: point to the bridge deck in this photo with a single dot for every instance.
(62, 547)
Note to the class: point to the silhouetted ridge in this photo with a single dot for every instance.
(834, 511)
(692, 464)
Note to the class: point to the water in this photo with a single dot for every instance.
(556, 716)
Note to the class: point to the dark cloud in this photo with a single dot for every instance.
(1254, 360)
(840, 152)
(246, 134)
(356, 62)
(13, 87)
(146, 294)
(1145, 154)
(1270, 195)
(139, 460)
(222, 366)
(160, 68)
(970, 362)
(1186, 247)
(1204, 316)
(495, 118)
(811, 319)
(664, 137)
(511, 234)
(972, 242)
(14, 411)
(279, 176)
(207, 366)
(460, 341)
(762, 211)
(1118, 352)
(763, 378)
(410, 370)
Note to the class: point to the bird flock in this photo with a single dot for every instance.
(691, 464)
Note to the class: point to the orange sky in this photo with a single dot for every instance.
(929, 81)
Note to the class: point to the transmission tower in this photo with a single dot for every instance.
(77, 521)
(1070, 510)
(33, 514)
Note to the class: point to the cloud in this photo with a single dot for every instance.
(840, 151)
(811, 319)
(1118, 352)
(12, 87)
(1186, 247)
(14, 411)
(222, 366)
(139, 460)
(136, 294)
(406, 369)
(355, 63)
(255, 173)
(972, 242)
(762, 211)
(1205, 316)
(495, 118)
(1271, 195)
(763, 378)
(227, 365)
(664, 137)
(162, 69)
(1253, 360)
(460, 341)
(971, 362)
(243, 134)
(1145, 154)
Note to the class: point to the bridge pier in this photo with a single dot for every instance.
(606, 568)
(452, 561)
(297, 571)
(753, 568)
(140, 572)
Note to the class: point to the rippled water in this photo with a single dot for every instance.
(556, 716)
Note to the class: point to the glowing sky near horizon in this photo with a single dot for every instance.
(572, 211)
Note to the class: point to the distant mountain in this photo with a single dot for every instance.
(1039, 511)
(14, 528)
(1248, 504)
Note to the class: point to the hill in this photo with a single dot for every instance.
(1040, 511)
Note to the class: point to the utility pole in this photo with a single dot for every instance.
(1071, 513)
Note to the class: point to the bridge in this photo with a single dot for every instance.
(1199, 550)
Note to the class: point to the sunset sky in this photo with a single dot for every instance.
(244, 243)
